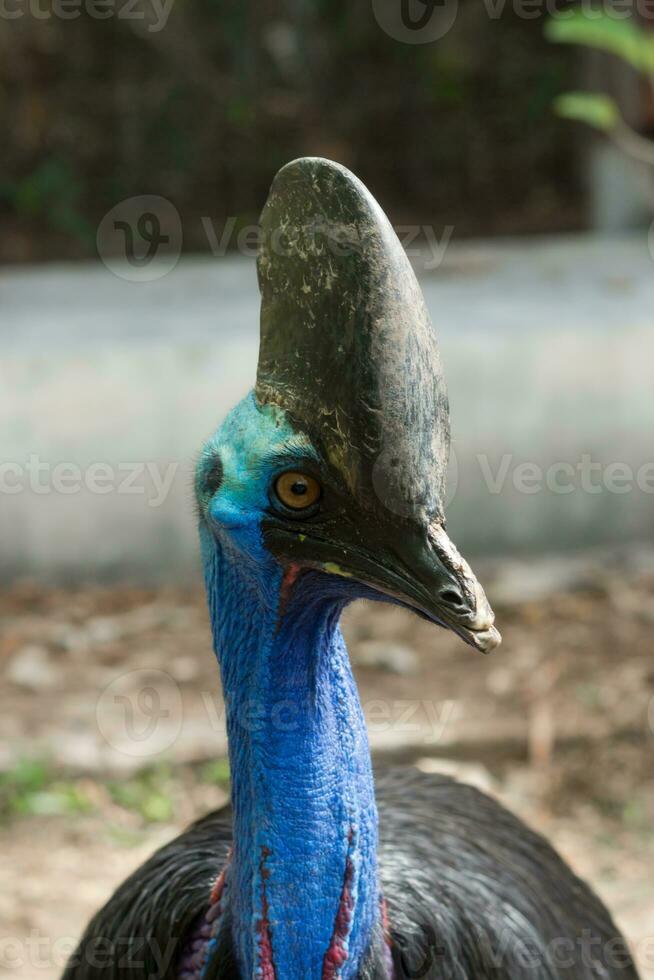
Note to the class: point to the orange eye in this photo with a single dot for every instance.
(297, 490)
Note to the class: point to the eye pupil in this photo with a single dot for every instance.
(299, 489)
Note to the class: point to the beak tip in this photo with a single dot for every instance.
(487, 640)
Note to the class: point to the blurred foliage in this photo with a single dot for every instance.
(147, 794)
(205, 110)
(216, 772)
(598, 28)
(33, 787)
(600, 111)
(50, 194)
(30, 788)
(625, 39)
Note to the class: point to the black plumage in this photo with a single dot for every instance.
(472, 895)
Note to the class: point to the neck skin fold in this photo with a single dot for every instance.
(302, 886)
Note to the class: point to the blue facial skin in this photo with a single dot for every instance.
(305, 821)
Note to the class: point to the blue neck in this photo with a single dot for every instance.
(302, 885)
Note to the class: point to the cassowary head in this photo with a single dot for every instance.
(336, 463)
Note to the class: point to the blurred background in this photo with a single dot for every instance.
(511, 143)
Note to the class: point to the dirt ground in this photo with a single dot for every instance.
(112, 733)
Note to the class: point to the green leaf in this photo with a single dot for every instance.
(599, 111)
(605, 32)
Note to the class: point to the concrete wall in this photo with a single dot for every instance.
(549, 353)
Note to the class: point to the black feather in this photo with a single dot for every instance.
(472, 894)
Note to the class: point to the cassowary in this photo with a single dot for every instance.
(324, 485)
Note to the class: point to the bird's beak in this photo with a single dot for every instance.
(426, 572)
(415, 566)
(438, 583)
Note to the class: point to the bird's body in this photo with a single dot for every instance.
(323, 486)
(471, 895)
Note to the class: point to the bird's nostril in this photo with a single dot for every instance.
(451, 597)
